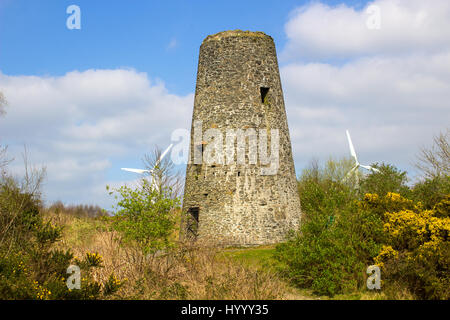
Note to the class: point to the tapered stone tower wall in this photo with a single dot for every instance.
(230, 202)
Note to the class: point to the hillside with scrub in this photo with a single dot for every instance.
(348, 224)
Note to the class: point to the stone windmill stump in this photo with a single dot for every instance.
(241, 187)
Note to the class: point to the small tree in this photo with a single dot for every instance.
(388, 179)
(145, 216)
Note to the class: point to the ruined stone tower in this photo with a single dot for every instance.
(240, 189)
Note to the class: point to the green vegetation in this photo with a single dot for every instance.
(145, 216)
(347, 227)
(31, 264)
(260, 257)
(132, 255)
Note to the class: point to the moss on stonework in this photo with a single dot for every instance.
(236, 33)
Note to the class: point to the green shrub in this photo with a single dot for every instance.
(30, 265)
(335, 242)
(342, 231)
(340, 234)
(431, 191)
(19, 214)
(331, 259)
(389, 179)
(145, 216)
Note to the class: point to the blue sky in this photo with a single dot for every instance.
(136, 34)
(88, 102)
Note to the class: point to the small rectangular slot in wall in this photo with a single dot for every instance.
(264, 91)
(201, 149)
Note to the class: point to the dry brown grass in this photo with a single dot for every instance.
(186, 272)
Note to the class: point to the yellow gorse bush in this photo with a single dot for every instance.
(20, 268)
(116, 281)
(415, 247)
(407, 228)
(112, 285)
(371, 197)
(387, 252)
(391, 200)
(419, 234)
(42, 293)
(94, 259)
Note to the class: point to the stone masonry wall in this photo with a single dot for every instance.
(236, 205)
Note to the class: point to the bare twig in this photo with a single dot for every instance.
(30, 185)
(164, 173)
(435, 161)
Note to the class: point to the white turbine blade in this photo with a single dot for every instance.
(140, 171)
(352, 149)
(370, 168)
(163, 155)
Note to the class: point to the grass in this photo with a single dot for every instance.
(187, 272)
(259, 257)
(263, 258)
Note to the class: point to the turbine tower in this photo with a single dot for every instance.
(357, 164)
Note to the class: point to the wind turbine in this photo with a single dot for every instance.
(357, 164)
(151, 171)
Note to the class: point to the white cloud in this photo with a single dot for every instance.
(319, 31)
(84, 125)
(391, 88)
